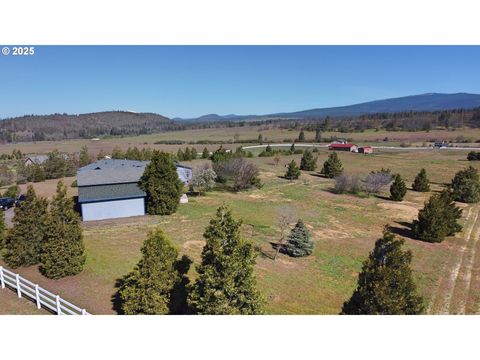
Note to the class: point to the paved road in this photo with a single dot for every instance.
(375, 147)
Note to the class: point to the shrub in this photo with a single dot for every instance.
(203, 179)
(346, 183)
(12, 192)
(377, 180)
(241, 172)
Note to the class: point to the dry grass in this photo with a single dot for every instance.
(344, 229)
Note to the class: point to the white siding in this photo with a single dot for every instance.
(113, 209)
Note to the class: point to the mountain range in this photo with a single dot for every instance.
(422, 102)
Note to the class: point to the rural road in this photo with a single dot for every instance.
(375, 147)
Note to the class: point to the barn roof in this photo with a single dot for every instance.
(118, 171)
(109, 192)
(37, 159)
(342, 145)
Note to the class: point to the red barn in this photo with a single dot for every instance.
(343, 147)
(365, 150)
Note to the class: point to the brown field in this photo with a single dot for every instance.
(270, 134)
(344, 228)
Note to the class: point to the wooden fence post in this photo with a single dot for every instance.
(57, 300)
(37, 297)
(19, 291)
(1, 277)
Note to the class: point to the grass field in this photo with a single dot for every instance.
(269, 133)
(344, 229)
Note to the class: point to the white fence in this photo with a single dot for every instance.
(42, 297)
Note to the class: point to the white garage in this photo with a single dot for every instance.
(113, 209)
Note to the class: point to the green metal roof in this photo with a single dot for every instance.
(109, 192)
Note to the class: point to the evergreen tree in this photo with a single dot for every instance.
(193, 154)
(292, 148)
(332, 167)
(437, 219)
(260, 139)
(180, 155)
(466, 186)
(148, 288)
(205, 153)
(268, 149)
(3, 230)
(161, 183)
(385, 284)
(318, 136)
(101, 155)
(299, 242)
(421, 182)
(308, 162)
(398, 189)
(301, 136)
(63, 252)
(226, 283)
(293, 172)
(85, 158)
(24, 240)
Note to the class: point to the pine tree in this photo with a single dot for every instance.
(437, 219)
(301, 136)
(85, 158)
(268, 149)
(180, 155)
(63, 252)
(318, 136)
(421, 182)
(466, 186)
(299, 242)
(226, 283)
(161, 183)
(308, 162)
(3, 230)
(205, 153)
(149, 287)
(292, 148)
(332, 167)
(193, 154)
(293, 172)
(398, 189)
(24, 240)
(385, 284)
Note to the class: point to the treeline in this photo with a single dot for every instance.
(64, 126)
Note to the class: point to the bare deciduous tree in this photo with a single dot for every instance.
(239, 170)
(376, 181)
(276, 159)
(285, 217)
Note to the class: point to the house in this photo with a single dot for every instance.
(108, 188)
(365, 150)
(440, 144)
(343, 147)
(35, 159)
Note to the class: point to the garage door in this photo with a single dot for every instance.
(113, 209)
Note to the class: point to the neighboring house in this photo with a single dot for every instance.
(39, 159)
(35, 159)
(365, 150)
(440, 144)
(108, 188)
(343, 147)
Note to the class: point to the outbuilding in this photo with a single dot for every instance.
(365, 150)
(343, 147)
(108, 188)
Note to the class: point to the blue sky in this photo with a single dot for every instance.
(183, 81)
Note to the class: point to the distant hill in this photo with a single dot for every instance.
(64, 126)
(423, 102)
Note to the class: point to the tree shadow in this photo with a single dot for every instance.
(178, 300)
(116, 298)
(382, 197)
(404, 229)
(265, 254)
